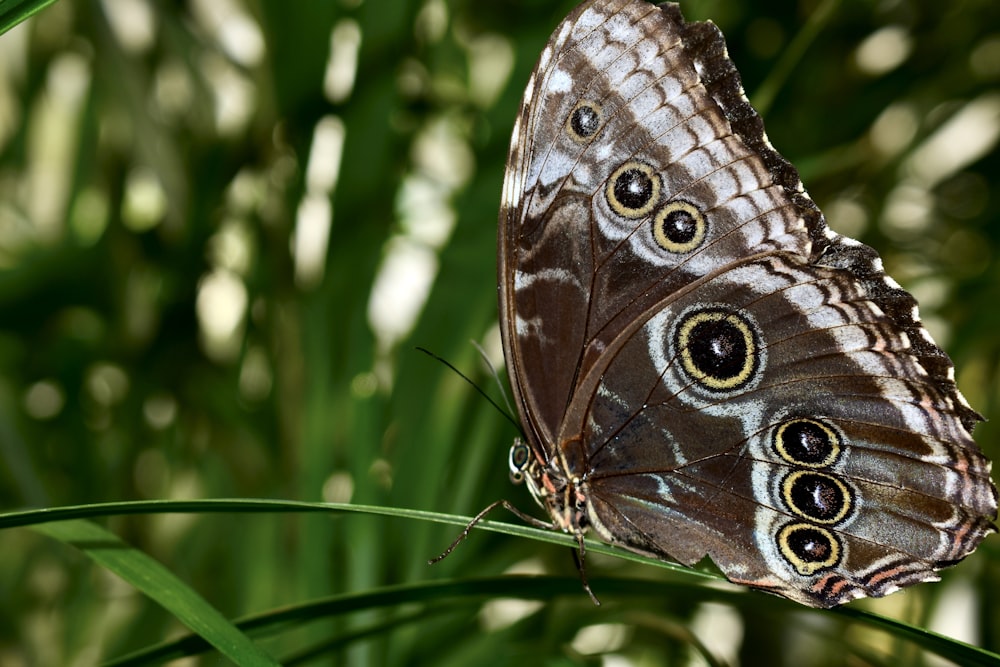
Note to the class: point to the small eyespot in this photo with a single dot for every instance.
(633, 190)
(808, 549)
(807, 442)
(679, 227)
(817, 496)
(584, 120)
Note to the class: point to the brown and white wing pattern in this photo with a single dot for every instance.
(702, 368)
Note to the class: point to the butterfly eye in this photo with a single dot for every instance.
(679, 227)
(584, 121)
(718, 349)
(519, 457)
(633, 190)
(807, 442)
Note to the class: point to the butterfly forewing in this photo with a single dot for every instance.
(561, 240)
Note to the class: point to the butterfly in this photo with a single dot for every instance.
(702, 368)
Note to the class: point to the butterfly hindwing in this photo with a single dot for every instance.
(770, 400)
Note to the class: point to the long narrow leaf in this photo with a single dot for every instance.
(13, 12)
(150, 577)
(158, 583)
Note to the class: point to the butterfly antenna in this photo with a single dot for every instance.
(496, 377)
(475, 386)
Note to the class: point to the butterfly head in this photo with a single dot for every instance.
(564, 497)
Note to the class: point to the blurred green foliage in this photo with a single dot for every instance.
(175, 322)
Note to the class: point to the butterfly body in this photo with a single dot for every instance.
(702, 367)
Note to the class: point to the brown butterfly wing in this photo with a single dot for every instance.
(560, 240)
(710, 369)
(834, 467)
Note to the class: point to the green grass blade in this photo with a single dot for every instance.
(13, 12)
(235, 505)
(150, 577)
(476, 590)
(763, 98)
(155, 581)
(954, 650)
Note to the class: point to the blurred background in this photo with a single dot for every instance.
(226, 224)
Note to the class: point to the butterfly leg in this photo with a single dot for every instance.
(527, 518)
(579, 557)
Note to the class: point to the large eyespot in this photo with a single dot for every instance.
(817, 496)
(808, 549)
(584, 120)
(633, 190)
(518, 460)
(679, 227)
(718, 349)
(807, 442)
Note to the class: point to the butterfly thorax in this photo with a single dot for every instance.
(561, 494)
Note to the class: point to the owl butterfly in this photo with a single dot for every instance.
(701, 366)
